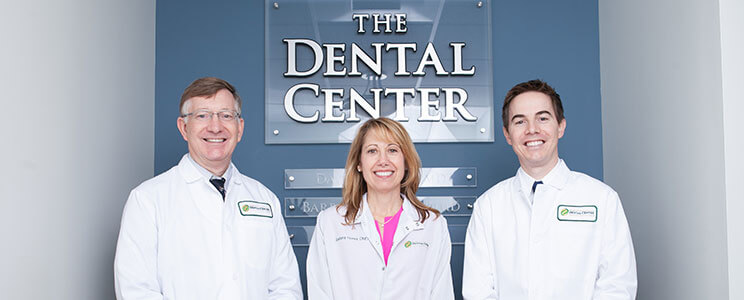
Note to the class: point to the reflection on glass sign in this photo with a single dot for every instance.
(332, 64)
(334, 178)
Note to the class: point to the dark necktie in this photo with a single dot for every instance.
(219, 183)
(534, 185)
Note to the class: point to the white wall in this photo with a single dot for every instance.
(663, 135)
(77, 115)
(732, 66)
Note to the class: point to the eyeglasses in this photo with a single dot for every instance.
(206, 116)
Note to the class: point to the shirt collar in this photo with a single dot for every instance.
(202, 172)
(557, 177)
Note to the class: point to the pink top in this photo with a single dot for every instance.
(391, 224)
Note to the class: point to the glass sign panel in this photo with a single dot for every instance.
(309, 207)
(448, 177)
(334, 178)
(300, 235)
(332, 64)
(449, 205)
(313, 178)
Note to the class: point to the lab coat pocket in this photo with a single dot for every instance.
(573, 248)
(254, 238)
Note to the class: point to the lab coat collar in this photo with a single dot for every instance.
(191, 173)
(409, 215)
(557, 178)
(409, 221)
(409, 210)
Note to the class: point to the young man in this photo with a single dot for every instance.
(547, 232)
(202, 230)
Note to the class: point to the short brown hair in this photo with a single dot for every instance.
(535, 85)
(207, 87)
(354, 184)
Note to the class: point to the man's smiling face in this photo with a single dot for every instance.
(533, 130)
(211, 140)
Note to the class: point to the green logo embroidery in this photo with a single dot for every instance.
(246, 208)
(407, 244)
(564, 211)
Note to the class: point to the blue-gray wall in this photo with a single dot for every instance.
(557, 41)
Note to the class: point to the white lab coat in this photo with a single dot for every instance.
(346, 262)
(178, 240)
(516, 250)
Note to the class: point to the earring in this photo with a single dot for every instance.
(359, 169)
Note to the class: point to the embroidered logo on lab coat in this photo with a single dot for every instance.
(577, 213)
(250, 208)
(408, 244)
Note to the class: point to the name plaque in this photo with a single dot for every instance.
(308, 206)
(334, 178)
(454, 206)
(300, 236)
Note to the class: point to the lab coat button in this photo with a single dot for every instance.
(235, 276)
(383, 268)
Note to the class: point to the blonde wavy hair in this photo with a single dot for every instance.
(354, 184)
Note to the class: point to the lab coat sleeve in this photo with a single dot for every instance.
(318, 273)
(443, 288)
(616, 276)
(135, 263)
(477, 277)
(284, 281)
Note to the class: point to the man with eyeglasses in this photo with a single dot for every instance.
(202, 230)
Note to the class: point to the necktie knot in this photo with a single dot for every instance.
(534, 185)
(219, 184)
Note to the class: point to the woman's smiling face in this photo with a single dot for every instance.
(382, 164)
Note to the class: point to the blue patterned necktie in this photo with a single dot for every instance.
(219, 183)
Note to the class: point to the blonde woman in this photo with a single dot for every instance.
(381, 242)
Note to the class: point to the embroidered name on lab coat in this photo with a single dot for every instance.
(351, 238)
(250, 208)
(577, 213)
